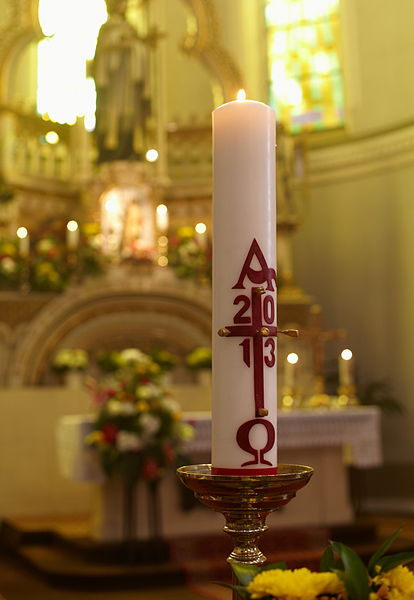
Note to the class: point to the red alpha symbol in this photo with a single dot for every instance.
(261, 329)
(264, 275)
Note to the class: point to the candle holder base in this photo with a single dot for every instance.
(290, 399)
(245, 502)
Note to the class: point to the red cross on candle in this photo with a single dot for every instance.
(258, 329)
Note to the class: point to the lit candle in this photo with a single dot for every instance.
(345, 368)
(72, 235)
(24, 241)
(162, 218)
(200, 230)
(290, 370)
(244, 290)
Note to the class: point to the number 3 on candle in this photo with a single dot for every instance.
(270, 359)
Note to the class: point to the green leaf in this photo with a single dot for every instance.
(276, 565)
(355, 575)
(241, 590)
(327, 560)
(382, 550)
(386, 563)
(244, 572)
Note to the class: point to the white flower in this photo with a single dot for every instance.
(185, 431)
(149, 423)
(71, 359)
(127, 440)
(170, 406)
(8, 265)
(115, 407)
(146, 392)
(134, 356)
(45, 245)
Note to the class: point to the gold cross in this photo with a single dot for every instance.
(318, 338)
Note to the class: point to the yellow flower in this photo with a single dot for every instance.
(8, 248)
(142, 406)
(399, 582)
(299, 584)
(185, 232)
(95, 437)
(184, 431)
(90, 228)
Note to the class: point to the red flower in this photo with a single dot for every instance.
(168, 452)
(110, 432)
(101, 396)
(151, 469)
(144, 380)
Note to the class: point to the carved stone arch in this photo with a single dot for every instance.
(204, 42)
(112, 317)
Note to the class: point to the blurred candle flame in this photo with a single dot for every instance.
(241, 95)
(346, 354)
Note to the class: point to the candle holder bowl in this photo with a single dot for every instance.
(245, 501)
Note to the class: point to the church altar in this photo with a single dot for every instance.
(327, 440)
(43, 458)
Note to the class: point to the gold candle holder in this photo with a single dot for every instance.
(320, 398)
(245, 501)
(347, 396)
(290, 398)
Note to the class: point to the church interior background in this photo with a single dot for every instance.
(106, 231)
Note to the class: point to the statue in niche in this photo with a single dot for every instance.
(121, 73)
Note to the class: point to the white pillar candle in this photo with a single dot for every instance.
(244, 407)
(346, 368)
(161, 218)
(24, 241)
(72, 235)
(201, 234)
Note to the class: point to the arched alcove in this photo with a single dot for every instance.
(112, 315)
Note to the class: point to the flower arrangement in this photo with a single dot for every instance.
(9, 265)
(188, 257)
(49, 268)
(199, 358)
(164, 359)
(342, 576)
(108, 362)
(70, 359)
(137, 431)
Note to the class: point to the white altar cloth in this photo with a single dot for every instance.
(356, 430)
(327, 440)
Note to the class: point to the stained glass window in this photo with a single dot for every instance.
(306, 86)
